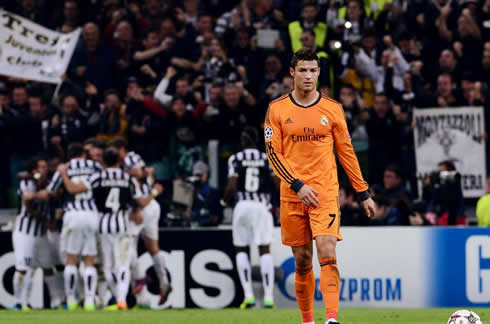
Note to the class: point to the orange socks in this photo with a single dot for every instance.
(305, 290)
(330, 286)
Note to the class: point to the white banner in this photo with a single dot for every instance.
(30, 51)
(454, 134)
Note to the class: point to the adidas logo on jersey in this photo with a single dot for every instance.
(288, 121)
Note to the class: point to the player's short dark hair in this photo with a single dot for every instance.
(75, 150)
(110, 157)
(304, 54)
(33, 163)
(119, 143)
(95, 142)
(249, 136)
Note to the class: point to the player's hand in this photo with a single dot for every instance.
(368, 206)
(157, 190)
(62, 168)
(26, 196)
(136, 217)
(308, 196)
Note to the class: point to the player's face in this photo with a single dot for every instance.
(42, 169)
(96, 154)
(305, 75)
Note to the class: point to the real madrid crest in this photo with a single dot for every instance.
(324, 120)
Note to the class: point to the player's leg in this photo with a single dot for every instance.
(160, 266)
(23, 250)
(304, 281)
(89, 251)
(242, 237)
(57, 290)
(107, 251)
(329, 275)
(20, 270)
(263, 227)
(151, 217)
(45, 257)
(296, 232)
(72, 239)
(122, 258)
(325, 225)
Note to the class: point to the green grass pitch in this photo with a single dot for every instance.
(236, 316)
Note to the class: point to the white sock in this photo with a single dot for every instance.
(90, 285)
(309, 323)
(53, 290)
(111, 282)
(28, 285)
(123, 279)
(102, 290)
(60, 284)
(267, 270)
(159, 263)
(71, 278)
(20, 287)
(245, 273)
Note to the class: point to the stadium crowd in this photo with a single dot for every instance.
(168, 76)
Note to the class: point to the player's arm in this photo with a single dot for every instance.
(232, 184)
(50, 192)
(137, 195)
(348, 159)
(72, 188)
(273, 146)
(26, 189)
(136, 216)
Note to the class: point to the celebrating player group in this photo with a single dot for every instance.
(107, 202)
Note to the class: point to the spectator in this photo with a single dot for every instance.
(93, 61)
(235, 114)
(67, 127)
(206, 210)
(20, 104)
(394, 190)
(445, 96)
(71, 14)
(352, 214)
(384, 143)
(154, 55)
(309, 21)
(31, 140)
(113, 121)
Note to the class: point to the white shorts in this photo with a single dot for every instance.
(116, 250)
(79, 233)
(151, 217)
(31, 252)
(54, 240)
(252, 222)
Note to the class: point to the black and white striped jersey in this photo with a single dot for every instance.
(133, 160)
(114, 193)
(254, 175)
(34, 223)
(78, 170)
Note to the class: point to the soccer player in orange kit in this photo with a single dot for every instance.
(300, 131)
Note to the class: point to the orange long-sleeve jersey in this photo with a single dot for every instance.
(299, 142)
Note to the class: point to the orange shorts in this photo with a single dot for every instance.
(300, 224)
